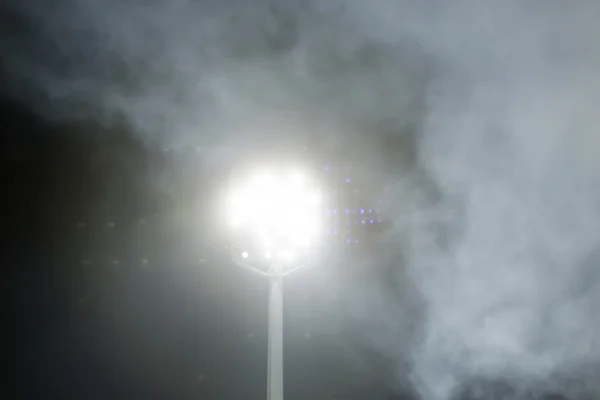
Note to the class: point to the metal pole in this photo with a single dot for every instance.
(275, 361)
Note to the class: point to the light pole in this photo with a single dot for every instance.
(277, 222)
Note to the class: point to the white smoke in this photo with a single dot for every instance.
(505, 94)
(516, 294)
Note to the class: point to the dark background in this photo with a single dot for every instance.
(111, 301)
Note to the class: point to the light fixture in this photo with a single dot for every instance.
(280, 210)
(280, 213)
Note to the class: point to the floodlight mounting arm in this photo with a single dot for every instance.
(274, 271)
(251, 268)
(295, 269)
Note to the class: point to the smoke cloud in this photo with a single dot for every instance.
(494, 104)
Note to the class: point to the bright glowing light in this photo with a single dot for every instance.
(265, 242)
(282, 210)
(297, 179)
(314, 199)
(245, 254)
(264, 180)
(286, 255)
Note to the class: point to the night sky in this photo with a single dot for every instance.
(116, 300)
(456, 143)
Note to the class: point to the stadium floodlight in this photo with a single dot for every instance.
(277, 218)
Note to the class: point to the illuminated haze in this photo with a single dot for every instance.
(497, 101)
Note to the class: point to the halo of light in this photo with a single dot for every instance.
(281, 210)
